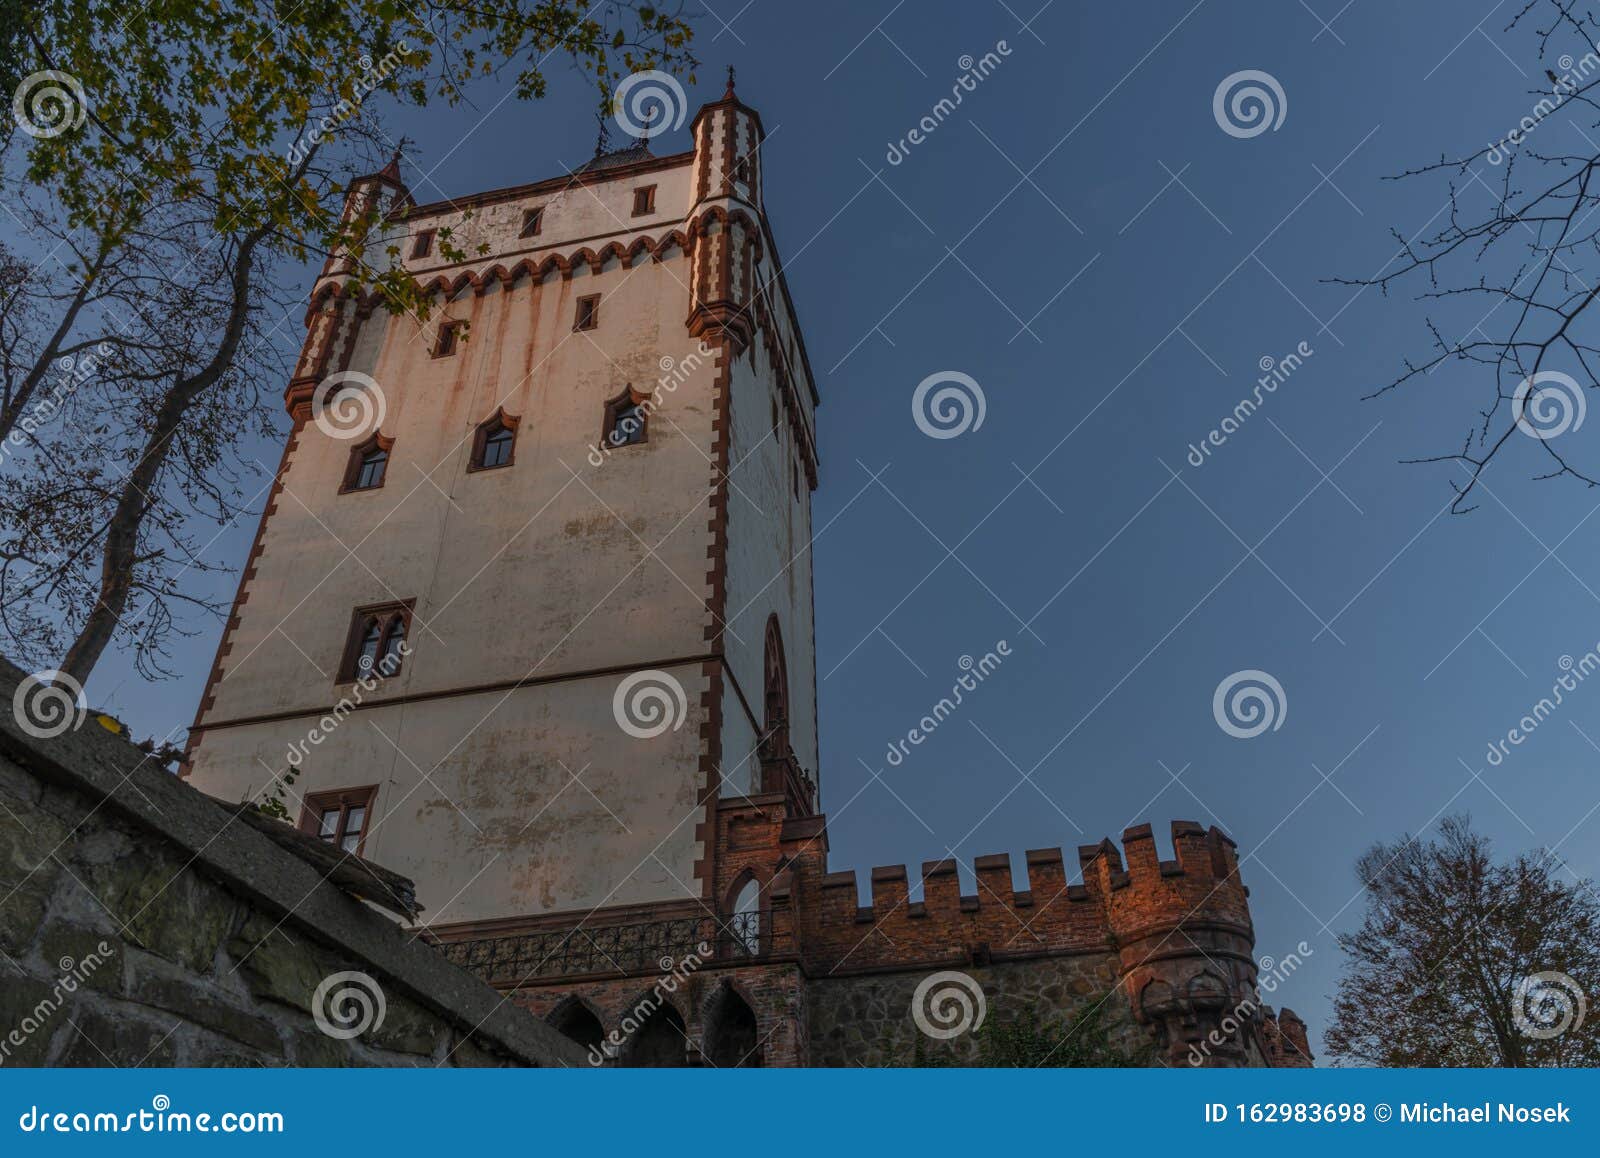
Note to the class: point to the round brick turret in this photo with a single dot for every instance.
(1184, 939)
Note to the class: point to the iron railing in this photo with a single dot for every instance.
(651, 947)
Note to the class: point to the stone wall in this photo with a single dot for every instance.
(867, 1019)
(141, 923)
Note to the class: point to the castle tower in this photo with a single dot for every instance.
(528, 618)
(530, 593)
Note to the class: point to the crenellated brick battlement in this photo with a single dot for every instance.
(1124, 893)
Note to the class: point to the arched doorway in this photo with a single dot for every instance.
(660, 1042)
(575, 1020)
(732, 1037)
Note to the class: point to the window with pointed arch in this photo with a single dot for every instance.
(775, 681)
(627, 420)
(744, 919)
(494, 442)
(376, 646)
(368, 465)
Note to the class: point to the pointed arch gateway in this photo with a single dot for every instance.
(662, 1041)
(575, 1020)
(733, 1038)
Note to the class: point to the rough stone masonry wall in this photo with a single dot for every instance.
(142, 924)
(866, 1019)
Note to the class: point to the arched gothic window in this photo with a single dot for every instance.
(494, 442)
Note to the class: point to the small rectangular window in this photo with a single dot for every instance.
(376, 645)
(339, 817)
(644, 200)
(532, 219)
(423, 245)
(588, 316)
(449, 335)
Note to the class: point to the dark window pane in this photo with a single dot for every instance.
(627, 425)
(391, 647)
(373, 464)
(497, 447)
(371, 636)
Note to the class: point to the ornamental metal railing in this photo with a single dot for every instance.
(651, 947)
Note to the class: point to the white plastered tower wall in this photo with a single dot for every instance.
(505, 786)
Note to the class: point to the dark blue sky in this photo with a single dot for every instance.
(1084, 241)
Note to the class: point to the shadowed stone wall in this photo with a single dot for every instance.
(141, 923)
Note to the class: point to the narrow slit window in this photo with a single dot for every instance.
(644, 200)
(532, 221)
(423, 245)
(447, 341)
(588, 315)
